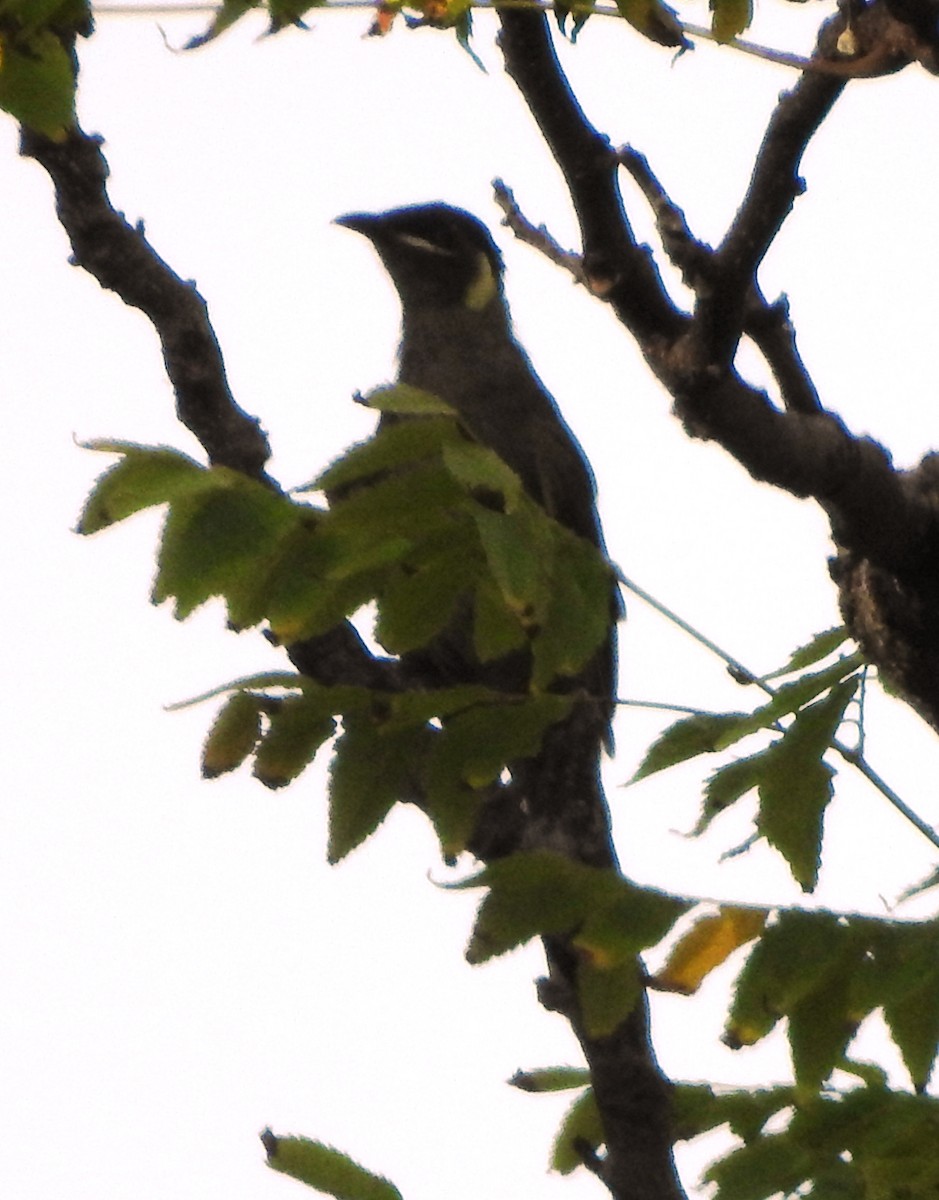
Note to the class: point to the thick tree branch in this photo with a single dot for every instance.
(774, 186)
(619, 269)
(122, 260)
(884, 522)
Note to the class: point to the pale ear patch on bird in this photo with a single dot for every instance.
(419, 243)
(484, 286)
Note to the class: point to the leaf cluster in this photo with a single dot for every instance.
(428, 525)
(790, 774)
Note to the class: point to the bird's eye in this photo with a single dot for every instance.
(419, 243)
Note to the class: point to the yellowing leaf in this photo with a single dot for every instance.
(708, 943)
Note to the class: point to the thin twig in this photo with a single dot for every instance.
(851, 756)
(780, 58)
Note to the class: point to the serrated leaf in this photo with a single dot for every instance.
(795, 785)
(726, 785)
(906, 962)
(761, 1168)
(497, 630)
(420, 599)
(821, 1025)
(729, 18)
(581, 1129)
(298, 727)
(531, 893)
(478, 743)
(519, 549)
(689, 737)
(145, 476)
(707, 944)
(374, 767)
(214, 541)
(540, 892)
(792, 959)
(796, 694)
(37, 82)
(391, 448)
(477, 468)
(607, 994)
(813, 651)
(626, 921)
(326, 1169)
(578, 613)
(697, 1108)
(233, 736)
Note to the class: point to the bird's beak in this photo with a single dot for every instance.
(360, 222)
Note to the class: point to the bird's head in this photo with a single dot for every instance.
(437, 256)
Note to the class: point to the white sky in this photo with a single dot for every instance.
(180, 968)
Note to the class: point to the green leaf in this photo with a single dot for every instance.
(540, 892)
(420, 599)
(729, 18)
(497, 630)
(821, 1025)
(581, 1130)
(794, 695)
(551, 1079)
(704, 733)
(405, 400)
(477, 744)
(299, 725)
(215, 539)
(145, 476)
(519, 549)
(480, 469)
(233, 736)
(578, 612)
(770, 1164)
(285, 13)
(814, 651)
(793, 958)
(906, 978)
(795, 785)
(607, 994)
(226, 15)
(392, 447)
(374, 767)
(726, 786)
(37, 82)
(530, 894)
(326, 1169)
(581, 10)
(463, 26)
(653, 20)
(697, 1108)
(263, 680)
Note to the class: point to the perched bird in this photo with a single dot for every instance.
(457, 343)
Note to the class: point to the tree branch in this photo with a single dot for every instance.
(122, 260)
(618, 269)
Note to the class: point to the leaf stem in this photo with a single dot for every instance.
(743, 674)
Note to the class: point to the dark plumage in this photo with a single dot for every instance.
(457, 343)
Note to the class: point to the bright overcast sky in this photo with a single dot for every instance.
(180, 968)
